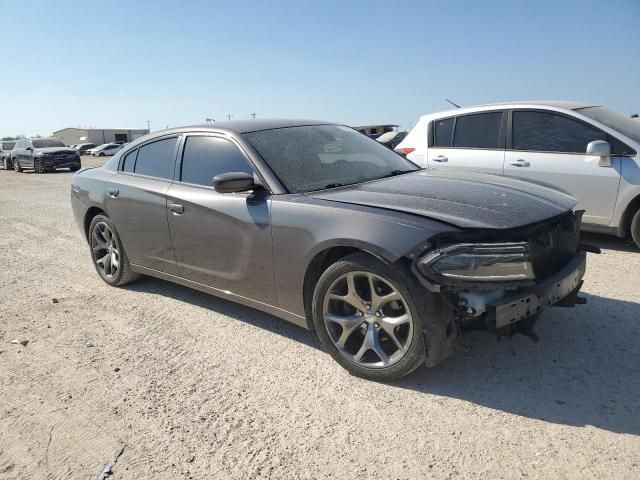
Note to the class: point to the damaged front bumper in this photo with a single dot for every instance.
(560, 289)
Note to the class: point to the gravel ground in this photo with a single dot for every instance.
(197, 387)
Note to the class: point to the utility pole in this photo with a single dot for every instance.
(229, 116)
(253, 115)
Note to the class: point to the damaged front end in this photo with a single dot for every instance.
(501, 280)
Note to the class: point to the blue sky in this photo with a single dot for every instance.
(121, 63)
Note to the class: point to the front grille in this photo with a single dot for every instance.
(553, 246)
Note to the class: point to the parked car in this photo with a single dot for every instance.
(105, 149)
(5, 153)
(588, 151)
(326, 228)
(82, 148)
(391, 139)
(43, 155)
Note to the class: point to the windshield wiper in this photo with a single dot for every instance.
(400, 172)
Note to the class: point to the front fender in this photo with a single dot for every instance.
(303, 229)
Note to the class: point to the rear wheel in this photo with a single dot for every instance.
(635, 228)
(367, 319)
(107, 252)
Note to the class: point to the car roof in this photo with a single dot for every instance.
(246, 126)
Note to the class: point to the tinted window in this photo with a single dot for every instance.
(443, 132)
(478, 131)
(548, 132)
(206, 157)
(129, 161)
(156, 159)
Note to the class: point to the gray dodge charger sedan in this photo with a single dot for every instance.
(321, 226)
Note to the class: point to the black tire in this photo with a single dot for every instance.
(635, 228)
(74, 169)
(17, 167)
(6, 164)
(124, 273)
(37, 166)
(401, 280)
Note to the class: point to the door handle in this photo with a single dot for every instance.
(176, 208)
(520, 163)
(114, 192)
(441, 159)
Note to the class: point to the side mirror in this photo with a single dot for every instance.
(233, 182)
(602, 149)
(29, 148)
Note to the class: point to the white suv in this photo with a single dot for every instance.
(586, 150)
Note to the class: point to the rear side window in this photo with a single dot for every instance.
(205, 157)
(443, 131)
(129, 161)
(156, 159)
(480, 130)
(548, 132)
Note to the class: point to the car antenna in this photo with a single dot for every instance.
(452, 103)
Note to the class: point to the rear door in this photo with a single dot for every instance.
(549, 147)
(468, 142)
(222, 240)
(137, 203)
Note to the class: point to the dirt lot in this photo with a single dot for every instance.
(197, 387)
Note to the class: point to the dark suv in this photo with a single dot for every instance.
(43, 155)
(5, 154)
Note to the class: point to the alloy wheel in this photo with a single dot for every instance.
(105, 251)
(368, 319)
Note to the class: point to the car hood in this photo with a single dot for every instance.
(56, 150)
(463, 199)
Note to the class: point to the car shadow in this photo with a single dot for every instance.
(226, 307)
(609, 242)
(584, 370)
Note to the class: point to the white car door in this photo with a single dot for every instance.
(549, 147)
(468, 142)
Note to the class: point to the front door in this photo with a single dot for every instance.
(222, 240)
(550, 148)
(468, 142)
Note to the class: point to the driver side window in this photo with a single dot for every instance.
(204, 157)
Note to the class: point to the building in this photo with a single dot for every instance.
(73, 136)
(375, 130)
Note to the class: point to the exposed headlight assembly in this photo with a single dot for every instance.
(479, 262)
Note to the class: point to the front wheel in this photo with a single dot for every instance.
(37, 166)
(367, 318)
(16, 166)
(108, 255)
(635, 228)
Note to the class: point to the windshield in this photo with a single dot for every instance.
(8, 145)
(325, 156)
(46, 143)
(625, 125)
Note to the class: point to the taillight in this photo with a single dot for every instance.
(405, 151)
